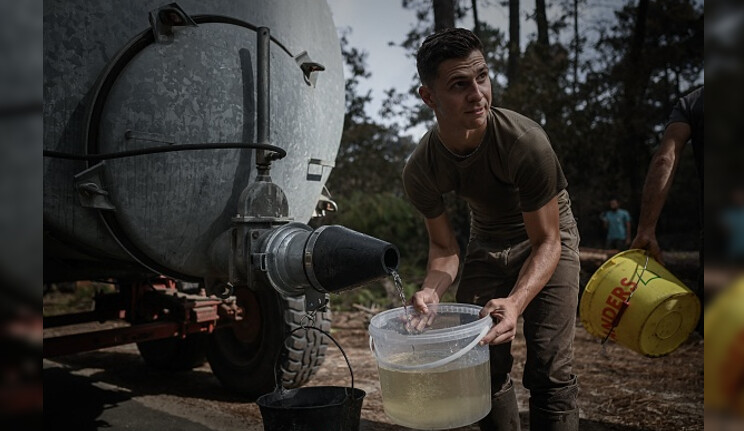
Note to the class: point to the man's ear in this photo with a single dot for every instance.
(427, 96)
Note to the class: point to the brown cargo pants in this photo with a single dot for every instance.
(490, 271)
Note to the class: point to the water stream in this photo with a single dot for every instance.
(399, 286)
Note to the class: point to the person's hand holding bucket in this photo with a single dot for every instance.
(505, 314)
(647, 241)
(635, 301)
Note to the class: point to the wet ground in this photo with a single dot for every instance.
(113, 389)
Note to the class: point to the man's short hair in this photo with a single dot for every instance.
(441, 46)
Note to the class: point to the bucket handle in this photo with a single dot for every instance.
(277, 379)
(437, 363)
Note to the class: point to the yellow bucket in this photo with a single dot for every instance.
(659, 313)
(724, 351)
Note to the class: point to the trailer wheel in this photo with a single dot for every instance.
(175, 354)
(243, 357)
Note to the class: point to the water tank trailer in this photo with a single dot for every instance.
(186, 146)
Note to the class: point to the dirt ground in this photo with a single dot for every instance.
(620, 390)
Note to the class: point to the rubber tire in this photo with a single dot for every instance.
(175, 354)
(248, 368)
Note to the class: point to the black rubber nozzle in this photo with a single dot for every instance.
(338, 258)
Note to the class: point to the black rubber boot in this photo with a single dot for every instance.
(543, 420)
(504, 415)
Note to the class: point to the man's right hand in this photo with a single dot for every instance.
(423, 298)
(649, 243)
(443, 264)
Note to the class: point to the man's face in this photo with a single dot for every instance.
(614, 205)
(461, 94)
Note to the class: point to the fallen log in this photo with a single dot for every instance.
(683, 264)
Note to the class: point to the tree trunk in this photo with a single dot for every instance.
(542, 24)
(635, 82)
(476, 22)
(576, 48)
(444, 14)
(512, 70)
(547, 64)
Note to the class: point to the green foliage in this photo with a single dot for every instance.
(73, 297)
(355, 61)
(371, 158)
(389, 217)
(374, 296)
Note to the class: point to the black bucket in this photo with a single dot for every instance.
(315, 408)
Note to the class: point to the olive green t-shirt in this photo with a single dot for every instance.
(514, 170)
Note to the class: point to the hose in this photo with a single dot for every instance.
(278, 152)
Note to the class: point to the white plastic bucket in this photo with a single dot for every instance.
(438, 378)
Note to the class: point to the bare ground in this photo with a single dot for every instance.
(620, 390)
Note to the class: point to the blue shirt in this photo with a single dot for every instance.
(733, 221)
(616, 221)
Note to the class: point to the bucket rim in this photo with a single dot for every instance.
(610, 262)
(349, 394)
(435, 335)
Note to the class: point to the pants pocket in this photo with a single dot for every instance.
(570, 239)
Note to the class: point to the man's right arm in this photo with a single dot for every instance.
(658, 182)
(443, 265)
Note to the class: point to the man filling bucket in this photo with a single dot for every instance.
(522, 257)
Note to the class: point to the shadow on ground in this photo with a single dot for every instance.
(584, 425)
(130, 371)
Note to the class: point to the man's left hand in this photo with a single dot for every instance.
(505, 314)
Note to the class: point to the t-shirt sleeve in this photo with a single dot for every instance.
(680, 112)
(535, 170)
(421, 190)
(683, 109)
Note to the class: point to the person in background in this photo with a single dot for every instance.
(685, 124)
(732, 222)
(617, 224)
(522, 257)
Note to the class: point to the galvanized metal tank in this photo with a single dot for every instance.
(115, 80)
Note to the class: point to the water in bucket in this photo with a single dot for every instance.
(438, 378)
(451, 396)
